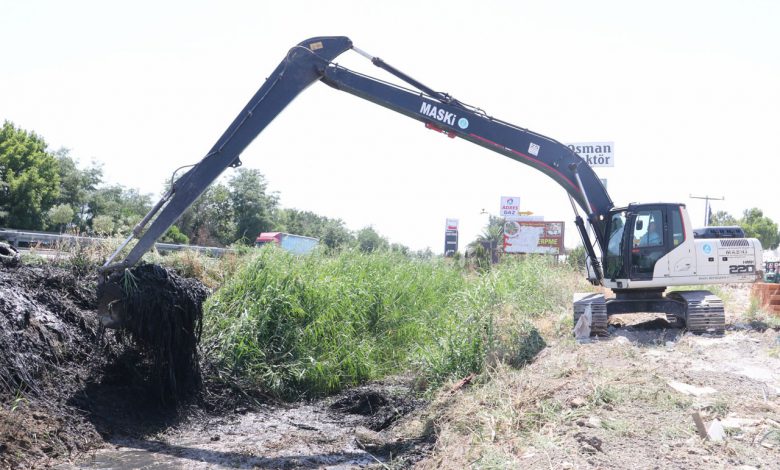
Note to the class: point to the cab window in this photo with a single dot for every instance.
(648, 229)
(678, 230)
(614, 258)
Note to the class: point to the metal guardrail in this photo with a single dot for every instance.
(19, 238)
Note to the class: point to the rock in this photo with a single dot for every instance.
(621, 340)
(593, 422)
(692, 390)
(367, 438)
(215, 438)
(670, 344)
(577, 402)
(715, 432)
(582, 328)
(738, 423)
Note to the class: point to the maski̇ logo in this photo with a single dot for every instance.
(439, 114)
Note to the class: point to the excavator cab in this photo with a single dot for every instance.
(638, 236)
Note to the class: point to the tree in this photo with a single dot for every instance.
(209, 221)
(30, 178)
(491, 238)
(76, 185)
(254, 209)
(125, 207)
(756, 225)
(174, 235)
(369, 240)
(722, 219)
(60, 215)
(103, 225)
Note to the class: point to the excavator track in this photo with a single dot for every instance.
(598, 310)
(704, 312)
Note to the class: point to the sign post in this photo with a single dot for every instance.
(510, 207)
(451, 237)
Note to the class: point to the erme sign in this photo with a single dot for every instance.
(595, 153)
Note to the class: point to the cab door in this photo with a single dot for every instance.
(650, 240)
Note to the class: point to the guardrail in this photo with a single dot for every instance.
(21, 239)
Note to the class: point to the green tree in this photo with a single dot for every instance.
(60, 215)
(209, 221)
(722, 219)
(76, 185)
(756, 225)
(174, 235)
(369, 240)
(125, 207)
(103, 224)
(486, 247)
(30, 178)
(254, 209)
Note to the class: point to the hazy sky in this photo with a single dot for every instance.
(689, 91)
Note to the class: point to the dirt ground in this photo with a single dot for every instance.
(69, 401)
(626, 401)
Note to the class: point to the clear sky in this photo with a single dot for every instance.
(689, 91)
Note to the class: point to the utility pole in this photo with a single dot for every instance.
(707, 200)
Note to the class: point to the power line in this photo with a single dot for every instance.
(707, 200)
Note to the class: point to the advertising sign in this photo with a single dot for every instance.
(533, 237)
(452, 224)
(510, 207)
(450, 242)
(597, 154)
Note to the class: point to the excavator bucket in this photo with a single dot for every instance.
(110, 302)
(160, 313)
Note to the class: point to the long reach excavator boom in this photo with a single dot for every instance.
(312, 60)
(644, 248)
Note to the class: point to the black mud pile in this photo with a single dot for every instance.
(67, 385)
(50, 346)
(380, 404)
(162, 316)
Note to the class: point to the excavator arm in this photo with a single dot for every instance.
(312, 60)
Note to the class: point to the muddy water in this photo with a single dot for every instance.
(304, 436)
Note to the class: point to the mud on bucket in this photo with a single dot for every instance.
(159, 313)
(8, 255)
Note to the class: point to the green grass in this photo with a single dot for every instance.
(306, 326)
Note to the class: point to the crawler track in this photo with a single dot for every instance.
(598, 310)
(704, 312)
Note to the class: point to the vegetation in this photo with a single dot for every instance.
(45, 190)
(312, 325)
(30, 181)
(755, 224)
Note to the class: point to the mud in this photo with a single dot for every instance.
(50, 347)
(330, 433)
(162, 317)
(73, 395)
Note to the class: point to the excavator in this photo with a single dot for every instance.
(643, 248)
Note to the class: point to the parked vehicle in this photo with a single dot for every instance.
(296, 244)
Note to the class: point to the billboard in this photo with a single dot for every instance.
(533, 237)
(451, 237)
(450, 242)
(597, 154)
(510, 207)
